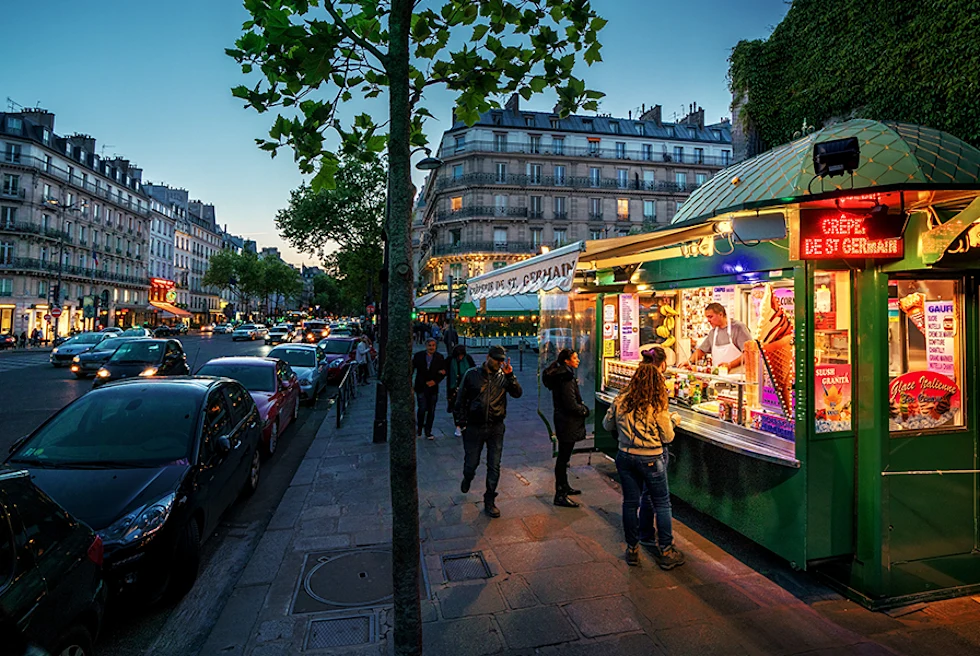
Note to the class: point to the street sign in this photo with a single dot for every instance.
(47, 318)
(370, 308)
(56, 312)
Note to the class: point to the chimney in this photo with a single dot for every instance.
(696, 116)
(513, 103)
(455, 119)
(84, 141)
(39, 116)
(652, 114)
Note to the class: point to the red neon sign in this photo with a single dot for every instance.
(840, 235)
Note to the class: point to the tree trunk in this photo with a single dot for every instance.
(397, 371)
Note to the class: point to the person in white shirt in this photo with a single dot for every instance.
(363, 359)
(724, 341)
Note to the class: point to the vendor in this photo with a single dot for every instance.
(725, 339)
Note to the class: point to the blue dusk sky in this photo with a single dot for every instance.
(150, 81)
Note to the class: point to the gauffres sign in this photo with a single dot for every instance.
(528, 277)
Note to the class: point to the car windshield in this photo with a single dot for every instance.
(255, 377)
(85, 338)
(335, 346)
(139, 351)
(247, 326)
(131, 425)
(295, 357)
(279, 329)
(134, 332)
(108, 345)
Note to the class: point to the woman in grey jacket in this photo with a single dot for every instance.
(645, 426)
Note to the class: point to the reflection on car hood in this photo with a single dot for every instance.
(99, 497)
(126, 369)
(94, 356)
(73, 349)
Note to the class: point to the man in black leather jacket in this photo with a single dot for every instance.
(481, 407)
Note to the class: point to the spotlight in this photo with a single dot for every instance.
(837, 157)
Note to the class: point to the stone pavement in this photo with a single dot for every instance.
(556, 580)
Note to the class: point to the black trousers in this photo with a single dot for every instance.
(426, 401)
(474, 438)
(561, 466)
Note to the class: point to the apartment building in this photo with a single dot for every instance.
(520, 180)
(73, 225)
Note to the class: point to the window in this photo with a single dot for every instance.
(217, 418)
(456, 270)
(622, 208)
(458, 172)
(622, 178)
(501, 173)
(587, 123)
(726, 157)
(641, 129)
(648, 180)
(500, 205)
(6, 286)
(593, 147)
(554, 123)
(595, 176)
(557, 143)
(42, 289)
(12, 153)
(620, 150)
(534, 174)
(11, 184)
(678, 153)
(559, 175)
(43, 254)
(614, 127)
(8, 216)
(560, 209)
(832, 350)
(239, 402)
(14, 125)
(700, 178)
(925, 354)
(680, 178)
(699, 155)
(456, 203)
(595, 208)
(536, 237)
(500, 239)
(559, 236)
(529, 119)
(650, 210)
(45, 524)
(535, 144)
(455, 237)
(499, 265)
(6, 252)
(499, 142)
(535, 208)
(648, 152)
(596, 233)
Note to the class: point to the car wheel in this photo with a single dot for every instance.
(77, 642)
(273, 443)
(252, 480)
(187, 559)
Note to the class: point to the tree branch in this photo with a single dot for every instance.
(350, 34)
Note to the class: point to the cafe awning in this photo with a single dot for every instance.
(168, 309)
(504, 306)
(552, 270)
(433, 302)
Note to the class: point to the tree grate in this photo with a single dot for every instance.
(341, 632)
(465, 567)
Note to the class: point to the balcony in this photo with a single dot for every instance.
(31, 229)
(17, 194)
(563, 182)
(463, 247)
(595, 216)
(35, 265)
(535, 214)
(560, 216)
(481, 210)
(614, 153)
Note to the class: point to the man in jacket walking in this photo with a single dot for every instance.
(481, 407)
(430, 368)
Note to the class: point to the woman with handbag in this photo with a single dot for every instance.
(459, 364)
(570, 415)
(645, 426)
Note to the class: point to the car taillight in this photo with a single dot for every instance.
(95, 551)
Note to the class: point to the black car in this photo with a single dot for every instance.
(52, 595)
(7, 341)
(151, 464)
(145, 358)
(314, 331)
(85, 365)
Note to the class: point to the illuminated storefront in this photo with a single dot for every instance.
(163, 295)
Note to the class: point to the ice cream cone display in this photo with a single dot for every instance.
(774, 334)
(913, 306)
(750, 362)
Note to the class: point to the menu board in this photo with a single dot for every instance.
(832, 398)
(940, 317)
(629, 327)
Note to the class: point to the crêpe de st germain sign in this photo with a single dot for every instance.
(837, 235)
(548, 272)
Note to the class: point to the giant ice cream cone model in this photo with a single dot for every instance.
(913, 306)
(775, 336)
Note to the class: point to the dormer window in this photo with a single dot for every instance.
(495, 117)
(14, 125)
(641, 129)
(614, 127)
(554, 123)
(587, 123)
(529, 120)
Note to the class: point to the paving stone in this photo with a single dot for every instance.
(323, 543)
(470, 599)
(275, 630)
(724, 598)
(472, 636)
(764, 592)
(517, 593)
(535, 627)
(670, 607)
(505, 531)
(450, 532)
(545, 526)
(231, 632)
(859, 649)
(856, 618)
(634, 644)
(604, 616)
(928, 642)
(789, 631)
(265, 560)
(372, 536)
(530, 556)
(290, 507)
(708, 638)
(572, 582)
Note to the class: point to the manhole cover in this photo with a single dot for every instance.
(335, 580)
(342, 632)
(465, 567)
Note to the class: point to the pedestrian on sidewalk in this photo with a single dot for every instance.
(480, 410)
(645, 426)
(362, 357)
(451, 338)
(570, 415)
(430, 369)
(459, 364)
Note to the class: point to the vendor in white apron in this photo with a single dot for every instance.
(724, 341)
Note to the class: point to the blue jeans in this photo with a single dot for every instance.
(474, 437)
(645, 476)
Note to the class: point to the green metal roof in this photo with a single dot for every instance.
(892, 155)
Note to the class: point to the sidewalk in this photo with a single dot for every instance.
(554, 580)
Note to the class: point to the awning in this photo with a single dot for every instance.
(432, 302)
(504, 306)
(168, 309)
(553, 270)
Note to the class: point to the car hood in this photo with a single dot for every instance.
(74, 350)
(99, 497)
(94, 356)
(304, 373)
(127, 369)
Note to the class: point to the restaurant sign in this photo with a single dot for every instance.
(544, 273)
(832, 235)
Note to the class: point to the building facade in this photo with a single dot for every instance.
(163, 223)
(517, 181)
(74, 230)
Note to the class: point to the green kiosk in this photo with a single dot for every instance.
(820, 308)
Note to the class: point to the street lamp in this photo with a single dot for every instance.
(74, 207)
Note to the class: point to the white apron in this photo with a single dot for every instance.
(726, 352)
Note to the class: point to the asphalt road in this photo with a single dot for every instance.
(32, 390)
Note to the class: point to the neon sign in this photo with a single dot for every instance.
(841, 235)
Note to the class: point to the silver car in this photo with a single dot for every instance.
(62, 354)
(309, 364)
(245, 331)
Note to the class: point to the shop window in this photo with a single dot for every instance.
(925, 351)
(832, 351)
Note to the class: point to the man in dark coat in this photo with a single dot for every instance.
(481, 407)
(430, 368)
(570, 415)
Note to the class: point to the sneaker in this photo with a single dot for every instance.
(563, 501)
(458, 432)
(633, 555)
(464, 487)
(670, 557)
(430, 436)
(491, 509)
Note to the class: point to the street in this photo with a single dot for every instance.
(33, 390)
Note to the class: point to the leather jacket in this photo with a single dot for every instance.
(481, 398)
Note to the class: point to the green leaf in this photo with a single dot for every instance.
(479, 32)
(325, 177)
(592, 55)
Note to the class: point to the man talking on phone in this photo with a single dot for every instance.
(480, 410)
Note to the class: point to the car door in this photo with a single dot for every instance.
(22, 588)
(289, 386)
(246, 433)
(217, 468)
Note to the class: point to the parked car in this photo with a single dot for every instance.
(246, 331)
(314, 331)
(144, 358)
(115, 330)
(150, 464)
(88, 363)
(273, 386)
(163, 330)
(137, 332)
(223, 329)
(279, 334)
(63, 354)
(308, 363)
(179, 328)
(7, 341)
(340, 353)
(52, 595)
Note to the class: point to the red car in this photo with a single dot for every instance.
(340, 353)
(272, 385)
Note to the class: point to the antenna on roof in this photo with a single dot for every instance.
(102, 152)
(13, 105)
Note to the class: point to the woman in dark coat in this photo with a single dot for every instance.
(570, 414)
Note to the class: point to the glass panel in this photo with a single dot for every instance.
(568, 322)
(832, 350)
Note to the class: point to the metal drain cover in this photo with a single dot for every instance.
(465, 567)
(339, 580)
(342, 632)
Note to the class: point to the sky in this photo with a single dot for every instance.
(150, 81)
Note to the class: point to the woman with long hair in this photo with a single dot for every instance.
(645, 426)
(570, 415)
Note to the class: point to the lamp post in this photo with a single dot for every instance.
(54, 202)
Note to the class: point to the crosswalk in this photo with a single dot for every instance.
(21, 360)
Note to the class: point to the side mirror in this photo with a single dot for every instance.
(222, 445)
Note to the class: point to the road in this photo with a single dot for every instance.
(32, 390)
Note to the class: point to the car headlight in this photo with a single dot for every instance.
(149, 371)
(335, 363)
(76, 359)
(54, 350)
(141, 523)
(103, 373)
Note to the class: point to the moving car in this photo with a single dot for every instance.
(150, 464)
(63, 354)
(88, 363)
(340, 353)
(52, 595)
(179, 328)
(279, 334)
(163, 330)
(7, 341)
(144, 358)
(115, 330)
(247, 331)
(207, 328)
(273, 386)
(314, 331)
(137, 332)
(223, 329)
(308, 363)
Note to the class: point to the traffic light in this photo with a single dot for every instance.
(415, 315)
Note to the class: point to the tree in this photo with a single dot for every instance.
(280, 281)
(238, 272)
(370, 47)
